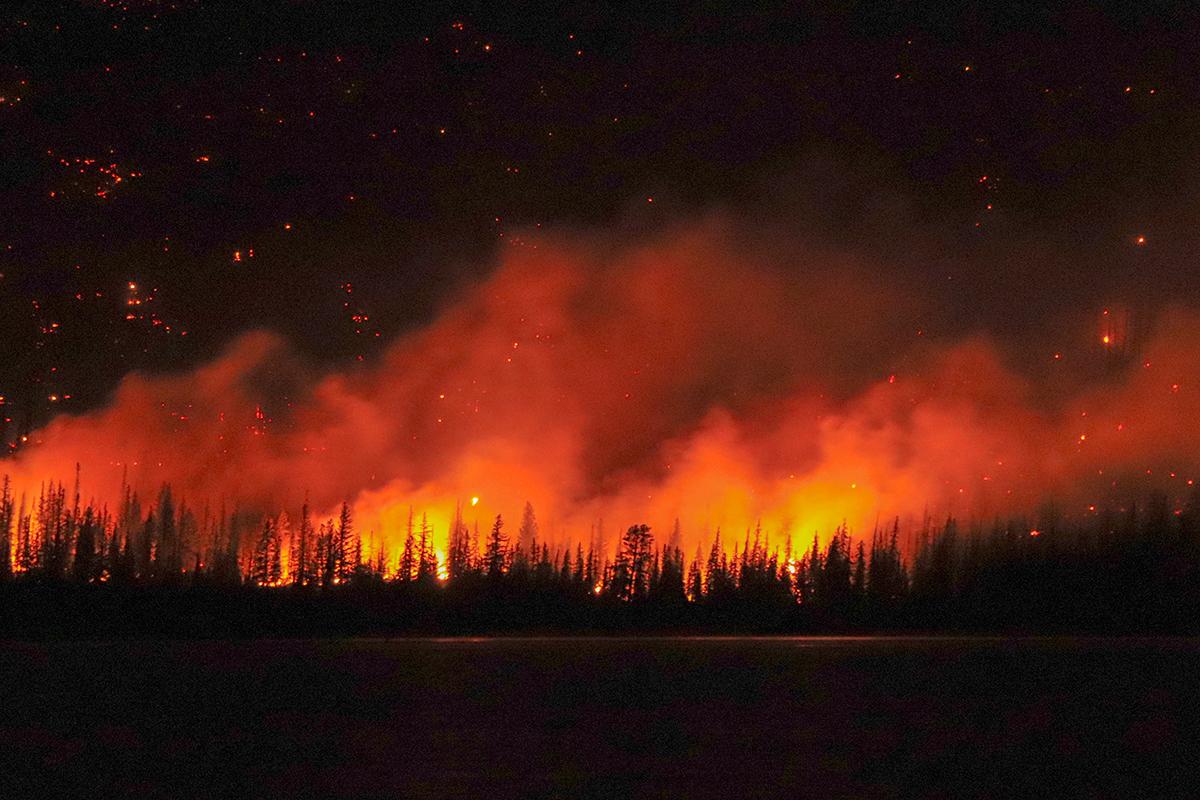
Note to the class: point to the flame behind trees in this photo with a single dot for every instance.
(690, 377)
(1119, 571)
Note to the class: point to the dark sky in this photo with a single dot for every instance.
(270, 154)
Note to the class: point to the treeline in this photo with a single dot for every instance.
(70, 568)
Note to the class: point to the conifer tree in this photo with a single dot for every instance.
(459, 556)
(6, 530)
(327, 549)
(303, 556)
(267, 567)
(631, 574)
(564, 573)
(345, 545)
(408, 558)
(858, 584)
(427, 557)
(166, 556)
(580, 573)
(84, 565)
(527, 533)
(496, 549)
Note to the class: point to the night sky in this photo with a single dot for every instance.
(173, 174)
(370, 319)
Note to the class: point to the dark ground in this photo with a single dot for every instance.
(564, 717)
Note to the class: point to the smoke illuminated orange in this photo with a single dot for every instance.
(689, 377)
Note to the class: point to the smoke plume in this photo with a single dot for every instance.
(695, 374)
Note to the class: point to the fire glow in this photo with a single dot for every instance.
(676, 379)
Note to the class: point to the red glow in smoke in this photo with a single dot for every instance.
(681, 378)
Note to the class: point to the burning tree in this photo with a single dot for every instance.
(267, 568)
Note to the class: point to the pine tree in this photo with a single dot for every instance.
(887, 582)
(833, 580)
(267, 569)
(460, 558)
(527, 534)
(669, 583)
(580, 574)
(631, 575)
(144, 554)
(695, 581)
(113, 557)
(496, 549)
(544, 569)
(303, 556)
(858, 584)
(6, 520)
(287, 544)
(408, 563)
(345, 545)
(167, 555)
(427, 557)
(712, 574)
(84, 565)
(380, 567)
(326, 545)
(25, 550)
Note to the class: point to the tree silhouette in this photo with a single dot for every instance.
(6, 521)
(1124, 568)
(346, 548)
(408, 557)
(527, 534)
(427, 557)
(84, 567)
(496, 554)
(631, 573)
(460, 555)
(267, 570)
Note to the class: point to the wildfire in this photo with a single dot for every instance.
(614, 390)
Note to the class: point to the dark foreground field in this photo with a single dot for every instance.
(568, 717)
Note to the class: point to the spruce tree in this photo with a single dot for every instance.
(496, 549)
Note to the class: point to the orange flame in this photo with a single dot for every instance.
(687, 378)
